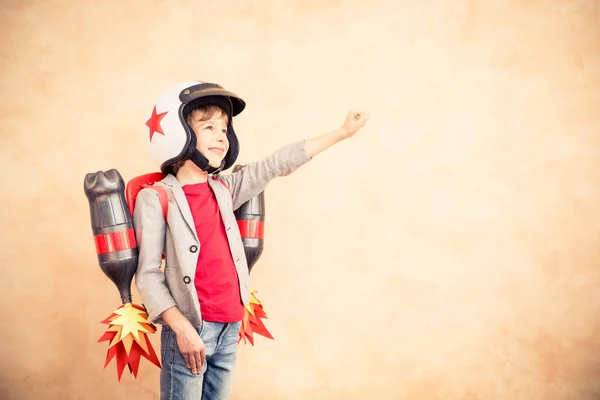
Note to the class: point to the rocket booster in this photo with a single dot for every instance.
(251, 221)
(112, 227)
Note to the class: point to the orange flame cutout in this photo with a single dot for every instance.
(253, 313)
(127, 334)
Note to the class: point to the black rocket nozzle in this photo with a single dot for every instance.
(251, 219)
(112, 226)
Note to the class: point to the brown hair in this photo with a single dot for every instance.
(207, 112)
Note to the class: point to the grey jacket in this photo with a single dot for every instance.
(178, 240)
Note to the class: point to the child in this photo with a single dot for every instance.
(199, 297)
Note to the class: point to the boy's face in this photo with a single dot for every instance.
(211, 135)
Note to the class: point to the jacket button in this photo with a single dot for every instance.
(186, 279)
(193, 248)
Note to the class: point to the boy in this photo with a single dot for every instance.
(200, 295)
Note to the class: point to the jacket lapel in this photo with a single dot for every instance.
(181, 201)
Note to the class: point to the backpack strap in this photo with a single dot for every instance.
(147, 181)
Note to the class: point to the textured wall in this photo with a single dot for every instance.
(449, 251)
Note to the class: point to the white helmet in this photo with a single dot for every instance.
(171, 139)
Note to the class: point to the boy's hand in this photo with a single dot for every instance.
(188, 339)
(354, 121)
(192, 348)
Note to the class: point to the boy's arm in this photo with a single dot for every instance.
(253, 178)
(150, 228)
(150, 280)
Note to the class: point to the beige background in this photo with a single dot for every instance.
(449, 251)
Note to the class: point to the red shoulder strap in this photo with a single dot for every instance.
(147, 181)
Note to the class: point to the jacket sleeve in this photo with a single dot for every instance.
(255, 176)
(150, 230)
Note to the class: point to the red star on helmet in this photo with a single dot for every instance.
(154, 123)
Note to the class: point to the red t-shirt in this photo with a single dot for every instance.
(216, 278)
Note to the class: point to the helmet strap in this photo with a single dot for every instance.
(202, 162)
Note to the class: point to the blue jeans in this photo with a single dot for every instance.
(216, 379)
